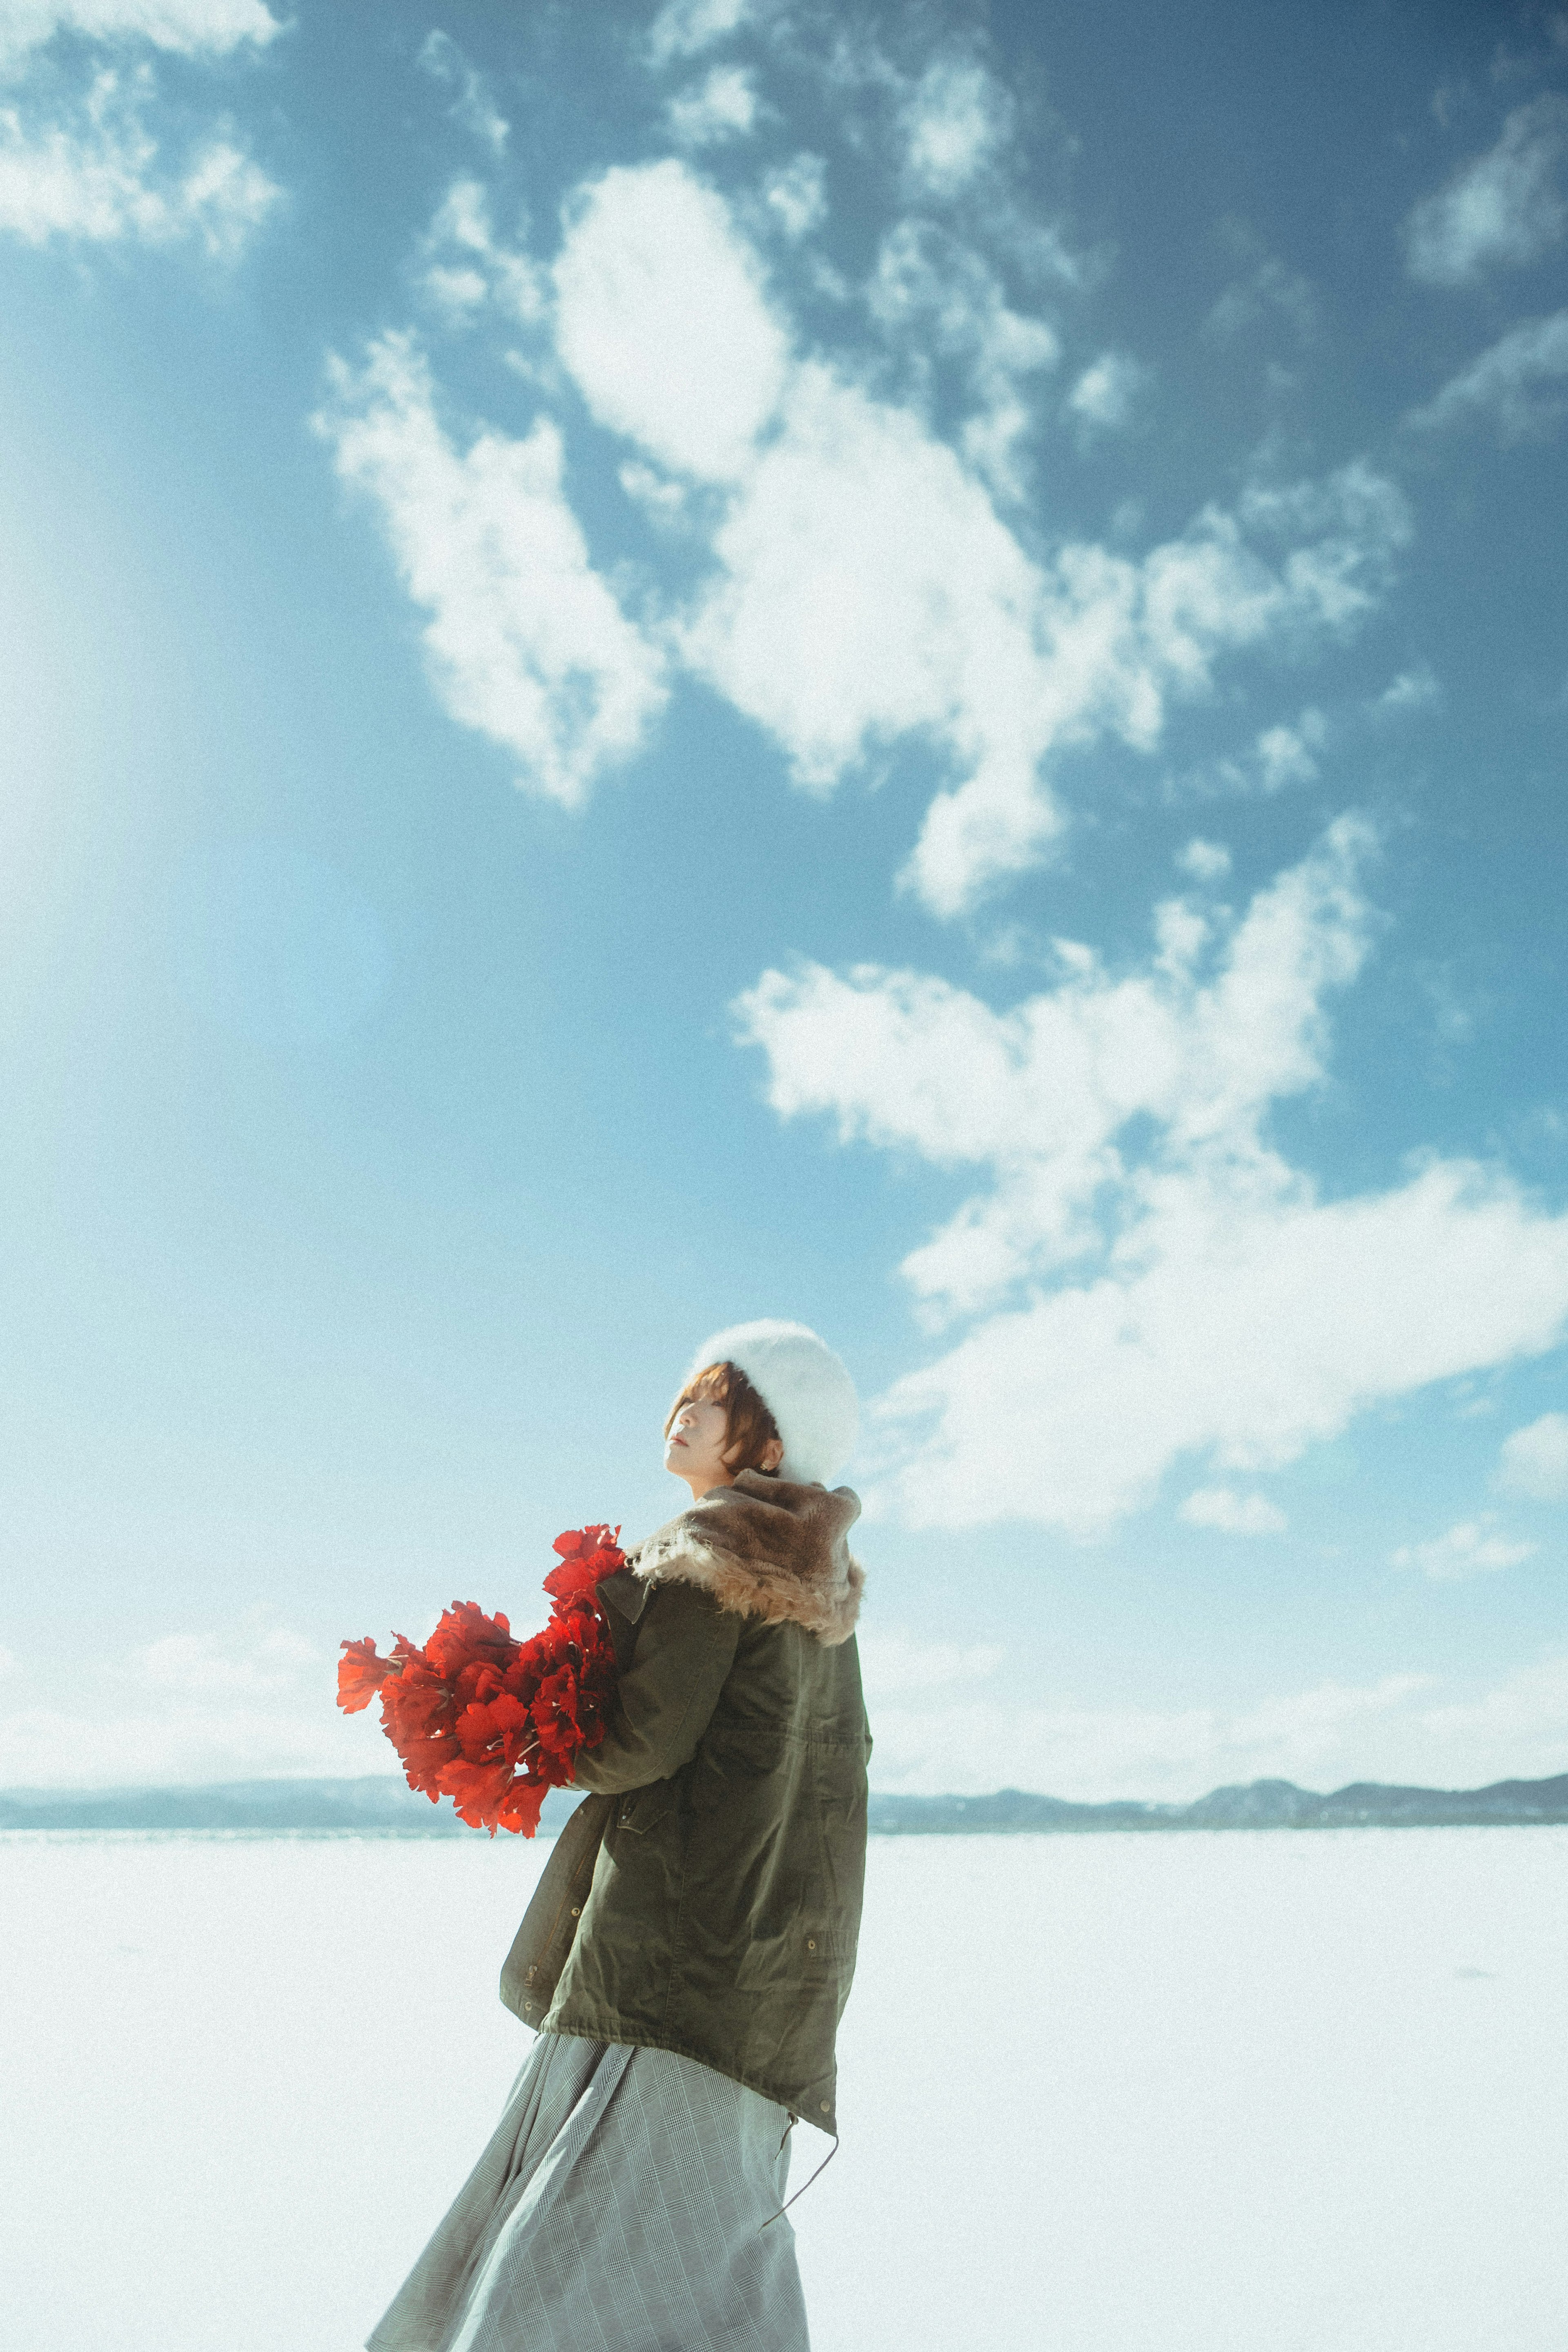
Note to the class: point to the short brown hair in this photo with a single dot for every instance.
(752, 1427)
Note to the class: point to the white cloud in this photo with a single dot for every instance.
(251, 1700)
(795, 195)
(1404, 1728)
(1284, 754)
(223, 1736)
(1535, 1460)
(1347, 525)
(90, 153)
(938, 1727)
(1519, 1729)
(1204, 861)
(950, 130)
(1455, 1023)
(526, 641)
(721, 108)
(663, 321)
(817, 613)
(1502, 211)
(193, 1664)
(1226, 1019)
(1106, 394)
(472, 105)
(1472, 1548)
(1413, 690)
(686, 27)
(1245, 1329)
(460, 265)
(898, 1660)
(93, 170)
(955, 120)
(1518, 382)
(184, 27)
(836, 628)
(662, 500)
(1136, 1304)
(937, 297)
(1222, 1508)
(1112, 642)
(1398, 1729)
(1269, 288)
(840, 629)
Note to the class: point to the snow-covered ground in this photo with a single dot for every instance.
(1235, 2093)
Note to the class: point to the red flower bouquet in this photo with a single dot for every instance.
(488, 1721)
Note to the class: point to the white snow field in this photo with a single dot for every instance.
(1238, 2092)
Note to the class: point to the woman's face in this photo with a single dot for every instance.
(694, 1449)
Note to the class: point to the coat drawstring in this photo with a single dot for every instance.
(804, 2185)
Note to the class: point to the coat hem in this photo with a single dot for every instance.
(654, 2041)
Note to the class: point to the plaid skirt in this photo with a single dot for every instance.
(619, 2206)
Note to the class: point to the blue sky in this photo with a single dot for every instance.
(904, 669)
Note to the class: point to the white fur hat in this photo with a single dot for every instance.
(806, 1389)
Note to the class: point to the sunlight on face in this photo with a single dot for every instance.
(694, 1449)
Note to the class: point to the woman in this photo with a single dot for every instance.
(688, 1949)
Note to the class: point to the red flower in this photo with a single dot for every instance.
(489, 1721)
(360, 1674)
(466, 1637)
(416, 1704)
(478, 1791)
(586, 1555)
(555, 1714)
(522, 1808)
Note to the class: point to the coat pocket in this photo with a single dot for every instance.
(806, 1954)
(640, 1810)
(532, 1970)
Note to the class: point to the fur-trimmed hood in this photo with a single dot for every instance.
(766, 1548)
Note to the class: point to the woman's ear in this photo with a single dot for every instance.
(772, 1454)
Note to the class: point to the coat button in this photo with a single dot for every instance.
(811, 1943)
(576, 1910)
(826, 2105)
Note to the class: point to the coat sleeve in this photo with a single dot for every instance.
(666, 1698)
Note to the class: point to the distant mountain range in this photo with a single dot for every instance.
(1257, 1805)
(381, 1806)
(388, 1807)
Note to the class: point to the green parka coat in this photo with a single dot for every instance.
(705, 1897)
